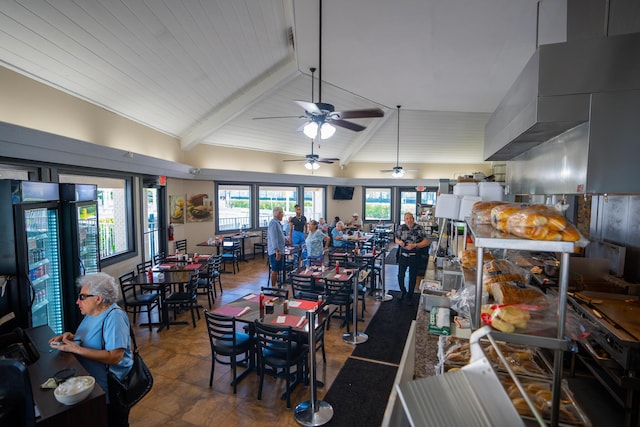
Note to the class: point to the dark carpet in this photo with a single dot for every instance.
(388, 330)
(392, 256)
(361, 390)
(360, 393)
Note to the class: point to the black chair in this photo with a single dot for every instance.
(278, 350)
(205, 283)
(134, 302)
(339, 293)
(16, 397)
(186, 299)
(226, 342)
(301, 283)
(216, 266)
(275, 292)
(143, 267)
(310, 296)
(181, 245)
(262, 244)
(158, 258)
(231, 254)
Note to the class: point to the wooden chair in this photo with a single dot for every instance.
(262, 244)
(279, 350)
(134, 302)
(228, 343)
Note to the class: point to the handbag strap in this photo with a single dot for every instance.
(133, 337)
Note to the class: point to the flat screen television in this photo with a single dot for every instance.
(342, 193)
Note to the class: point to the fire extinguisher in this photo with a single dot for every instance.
(170, 230)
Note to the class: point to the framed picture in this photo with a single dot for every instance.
(177, 209)
(199, 208)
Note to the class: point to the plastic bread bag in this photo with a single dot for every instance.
(481, 211)
(468, 258)
(502, 270)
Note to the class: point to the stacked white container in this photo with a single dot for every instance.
(465, 189)
(465, 206)
(448, 206)
(490, 191)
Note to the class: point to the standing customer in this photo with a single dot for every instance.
(410, 238)
(102, 338)
(275, 244)
(316, 243)
(298, 228)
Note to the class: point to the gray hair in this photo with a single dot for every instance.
(277, 210)
(340, 223)
(101, 284)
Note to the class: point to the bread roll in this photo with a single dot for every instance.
(510, 293)
(570, 234)
(512, 314)
(521, 406)
(502, 326)
(481, 211)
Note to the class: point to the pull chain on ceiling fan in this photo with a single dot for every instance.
(398, 171)
(321, 118)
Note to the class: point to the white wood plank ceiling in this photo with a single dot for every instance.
(203, 70)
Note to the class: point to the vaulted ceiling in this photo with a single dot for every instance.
(202, 71)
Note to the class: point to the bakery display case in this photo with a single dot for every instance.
(487, 237)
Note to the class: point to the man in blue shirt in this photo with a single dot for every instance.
(275, 244)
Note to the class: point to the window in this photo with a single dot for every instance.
(271, 196)
(234, 207)
(407, 203)
(115, 213)
(428, 196)
(377, 204)
(314, 203)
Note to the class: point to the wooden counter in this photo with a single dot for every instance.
(52, 412)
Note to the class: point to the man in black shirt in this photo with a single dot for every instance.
(298, 229)
(410, 239)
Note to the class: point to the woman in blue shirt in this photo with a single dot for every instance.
(338, 236)
(102, 338)
(315, 243)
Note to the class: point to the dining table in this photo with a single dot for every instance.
(164, 281)
(242, 237)
(247, 309)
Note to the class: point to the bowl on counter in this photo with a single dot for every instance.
(74, 390)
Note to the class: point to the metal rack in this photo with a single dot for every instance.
(486, 236)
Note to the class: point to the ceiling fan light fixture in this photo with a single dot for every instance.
(326, 131)
(311, 129)
(398, 173)
(312, 165)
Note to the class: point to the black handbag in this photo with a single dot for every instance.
(136, 384)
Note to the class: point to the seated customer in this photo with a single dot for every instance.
(355, 222)
(338, 237)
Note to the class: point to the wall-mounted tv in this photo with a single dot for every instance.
(342, 193)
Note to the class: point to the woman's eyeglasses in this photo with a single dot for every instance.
(83, 297)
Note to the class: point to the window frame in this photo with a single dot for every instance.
(132, 224)
(365, 218)
(252, 195)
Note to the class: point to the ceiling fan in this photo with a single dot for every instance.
(312, 160)
(398, 171)
(321, 117)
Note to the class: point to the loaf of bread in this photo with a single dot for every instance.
(511, 313)
(537, 216)
(501, 213)
(500, 270)
(481, 211)
(468, 257)
(512, 293)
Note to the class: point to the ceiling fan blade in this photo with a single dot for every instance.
(328, 159)
(296, 160)
(387, 170)
(348, 125)
(309, 107)
(328, 162)
(279, 117)
(358, 114)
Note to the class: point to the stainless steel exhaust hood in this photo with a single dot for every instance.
(555, 91)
